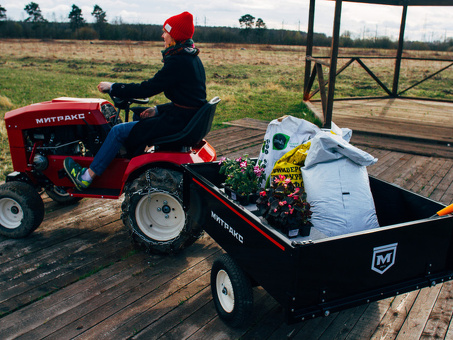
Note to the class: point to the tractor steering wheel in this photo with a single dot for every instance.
(125, 103)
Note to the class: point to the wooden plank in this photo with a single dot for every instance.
(183, 321)
(446, 176)
(392, 172)
(424, 173)
(370, 319)
(436, 178)
(47, 315)
(395, 316)
(343, 323)
(64, 264)
(441, 314)
(414, 324)
(385, 163)
(109, 317)
(59, 225)
(238, 139)
(397, 144)
(409, 171)
(249, 123)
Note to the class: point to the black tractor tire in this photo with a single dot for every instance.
(153, 212)
(59, 195)
(21, 209)
(232, 292)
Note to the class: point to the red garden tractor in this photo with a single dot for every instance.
(42, 135)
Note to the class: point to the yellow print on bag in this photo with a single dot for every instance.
(290, 163)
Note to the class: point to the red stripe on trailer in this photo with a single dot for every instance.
(246, 220)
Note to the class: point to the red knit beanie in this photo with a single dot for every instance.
(180, 27)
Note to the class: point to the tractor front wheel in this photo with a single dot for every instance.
(21, 209)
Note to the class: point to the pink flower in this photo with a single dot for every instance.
(243, 164)
(282, 203)
(258, 171)
(263, 193)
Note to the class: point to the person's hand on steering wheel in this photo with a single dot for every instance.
(104, 86)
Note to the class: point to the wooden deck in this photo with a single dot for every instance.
(79, 277)
(408, 125)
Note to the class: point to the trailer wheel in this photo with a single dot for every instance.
(231, 291)
(59, 195)
(21, 209)
(153, 212)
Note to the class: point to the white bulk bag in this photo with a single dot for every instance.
(337, 186)
(283, 135)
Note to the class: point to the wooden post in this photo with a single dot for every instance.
(309, 50)
(399, 53)
(333, 65)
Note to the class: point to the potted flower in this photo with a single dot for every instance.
(243, 176)
(284, 207)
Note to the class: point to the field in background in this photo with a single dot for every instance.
(256, 81)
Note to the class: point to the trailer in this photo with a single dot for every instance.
(311, 276)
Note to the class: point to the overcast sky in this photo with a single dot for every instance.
(362, 20)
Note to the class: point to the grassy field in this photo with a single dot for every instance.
(258, 81)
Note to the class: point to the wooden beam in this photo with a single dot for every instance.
(333, 64)
(399, 54)
(309, 50)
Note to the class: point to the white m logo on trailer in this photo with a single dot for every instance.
(383, 258)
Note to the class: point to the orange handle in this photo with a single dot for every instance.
(445, 211)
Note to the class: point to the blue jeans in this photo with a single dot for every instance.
(112, 144)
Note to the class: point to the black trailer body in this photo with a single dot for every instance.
(311, 278)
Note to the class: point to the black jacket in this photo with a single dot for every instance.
(182, 79)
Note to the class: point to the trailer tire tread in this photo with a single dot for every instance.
(242, 307)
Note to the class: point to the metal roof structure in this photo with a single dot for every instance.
(327, 96)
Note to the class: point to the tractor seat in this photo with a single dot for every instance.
(191, 135)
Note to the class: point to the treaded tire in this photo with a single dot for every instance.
(60, 196)
(153, 212)
(21, 209)
(232, 292)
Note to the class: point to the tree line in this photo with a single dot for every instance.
(251, 32)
